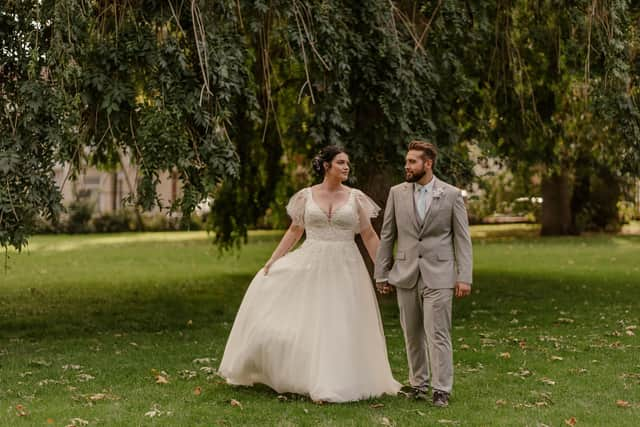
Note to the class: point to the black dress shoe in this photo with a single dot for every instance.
(440, 398)
(414, 393)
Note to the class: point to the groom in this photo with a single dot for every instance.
(428, 220)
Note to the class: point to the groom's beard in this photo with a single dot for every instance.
(414, 177)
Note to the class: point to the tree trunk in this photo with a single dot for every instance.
(581, 196)
(556, 205)
(603, 201)
(376, 185)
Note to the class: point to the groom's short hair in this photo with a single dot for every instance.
(429, 150)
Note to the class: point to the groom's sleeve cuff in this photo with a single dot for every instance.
(381, 279)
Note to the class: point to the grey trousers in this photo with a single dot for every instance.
(425, 316)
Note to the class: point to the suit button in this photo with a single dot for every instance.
(420, 240)
(419, 256)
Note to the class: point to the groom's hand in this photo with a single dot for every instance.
(384, 287)
(462, 289)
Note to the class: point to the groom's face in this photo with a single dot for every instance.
(415, 165)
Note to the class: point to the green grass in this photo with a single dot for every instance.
(87, 322)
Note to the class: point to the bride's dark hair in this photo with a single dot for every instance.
(327, 154)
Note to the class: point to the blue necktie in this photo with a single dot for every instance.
(422, 203)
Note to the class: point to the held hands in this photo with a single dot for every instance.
(462, 289)
(384, 287)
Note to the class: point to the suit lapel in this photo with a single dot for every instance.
(432, 207)
(410, 204)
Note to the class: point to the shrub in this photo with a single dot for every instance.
(80, 213)
(115, 222)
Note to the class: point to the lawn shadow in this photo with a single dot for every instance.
(129, 308)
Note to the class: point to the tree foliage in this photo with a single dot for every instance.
(558, 98)
(228, 93)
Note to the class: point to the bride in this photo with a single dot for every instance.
(309, 322)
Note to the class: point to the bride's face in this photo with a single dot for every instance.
(339, 167)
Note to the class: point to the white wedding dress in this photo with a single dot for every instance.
(312, 325)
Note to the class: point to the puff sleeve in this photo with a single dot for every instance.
(367, 209)
(296, 207)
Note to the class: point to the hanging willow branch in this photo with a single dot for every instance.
(200, 37)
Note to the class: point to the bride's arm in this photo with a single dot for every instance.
(371, 241)
(289, 240)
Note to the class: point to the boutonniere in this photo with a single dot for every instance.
(438, 192)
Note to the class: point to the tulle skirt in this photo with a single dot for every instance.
(311, 326)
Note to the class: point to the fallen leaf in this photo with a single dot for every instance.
(190, 322)
(187, 374)
(522, 373)
(385, 421)
(571, 421)
(203, 360)
(548, 381)
(501, 402)
(556, 358)
(236, 403)
(21, 411)
(197, 391)
(156, 412)
(50, 421)
(40, 362)
(376, 406)
(161, 379)
(48, 381)
(85, 377)
(565, 320)
(523, 344)
(623, 403)
(78, 422)
(505, 355)
(97, 396)
(306, 411)
(152, 413)
(74, 367)
(629, 332)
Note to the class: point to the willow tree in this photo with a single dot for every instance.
(364, 75)
(226, 93)
(558, 101)
(220, 92)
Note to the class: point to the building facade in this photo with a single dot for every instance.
(110, 190)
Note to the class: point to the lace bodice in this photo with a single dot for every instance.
(346, 220)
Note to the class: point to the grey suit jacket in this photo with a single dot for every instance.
(439, 248)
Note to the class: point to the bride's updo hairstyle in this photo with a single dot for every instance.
(327, 154)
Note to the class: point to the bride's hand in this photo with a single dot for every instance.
(267, 267)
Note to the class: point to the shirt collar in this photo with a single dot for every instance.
(417, 187)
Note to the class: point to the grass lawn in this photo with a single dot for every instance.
(90, 324)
